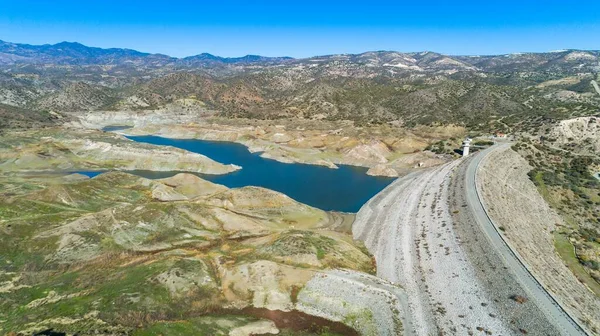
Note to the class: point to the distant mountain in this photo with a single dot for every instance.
(563, 60)
(482, 92)
(206, 58)
(73, 53)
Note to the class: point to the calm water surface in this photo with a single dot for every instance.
(115, 128)
(344, 189)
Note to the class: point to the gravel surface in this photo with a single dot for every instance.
(497, 280)
(368, 304)
(409, 229)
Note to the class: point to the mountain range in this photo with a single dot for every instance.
(499, 92)
(73, 53)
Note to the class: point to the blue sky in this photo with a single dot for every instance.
(306, 28)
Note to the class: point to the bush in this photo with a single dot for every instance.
(589, 234)
(551, 178)
(519, 299)
(593, 264)
(483, 143)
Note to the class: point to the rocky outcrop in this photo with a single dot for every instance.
(192, 186)
(579, 134)
(261, 327)
(165, 193)
(128, 156)
(372, 306)
(382, 170)
(310, 144)
(376, 151)
(268, 284)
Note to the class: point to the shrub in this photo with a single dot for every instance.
(519, 299)
(483, 143)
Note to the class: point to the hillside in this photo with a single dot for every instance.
(14, 117)
(564, 160)
(504, 93)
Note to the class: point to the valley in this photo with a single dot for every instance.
(143, 194)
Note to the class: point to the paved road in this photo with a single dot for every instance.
(554, 312)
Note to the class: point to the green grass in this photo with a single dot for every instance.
(565, 249)
(562, 244)
(539, 181)
(203, 326)
(102, 289)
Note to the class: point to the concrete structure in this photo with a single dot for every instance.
(465, 146)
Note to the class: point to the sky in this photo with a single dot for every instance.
(306, 28)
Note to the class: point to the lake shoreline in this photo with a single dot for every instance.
(386, 150)
(344, 189)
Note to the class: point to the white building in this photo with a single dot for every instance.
(465, 146)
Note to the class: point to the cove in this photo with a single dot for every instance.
(345, 189)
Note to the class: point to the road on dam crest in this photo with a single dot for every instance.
(430, 234)
(545, 301)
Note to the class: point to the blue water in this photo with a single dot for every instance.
(345, 189)
(116, 128)
(89, 174)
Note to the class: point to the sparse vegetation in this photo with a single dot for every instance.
(489, 94)
(565, 179)
(483, 143)
(106, 255)
(519, 299)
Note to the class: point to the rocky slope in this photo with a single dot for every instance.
(389, 151)
(120, 254)
(563, 163)
(55, 149)
(76, 97)
(488, 93)
(12, 117)
(419, 242)
(581, 135)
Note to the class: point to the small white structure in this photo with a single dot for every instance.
(465, 146)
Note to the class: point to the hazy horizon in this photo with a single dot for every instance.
(310, 56)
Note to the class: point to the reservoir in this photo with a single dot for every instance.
(345, 189)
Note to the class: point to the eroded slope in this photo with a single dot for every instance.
(118, 254)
